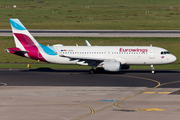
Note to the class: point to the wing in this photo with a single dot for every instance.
(96, 60)
(83, 58)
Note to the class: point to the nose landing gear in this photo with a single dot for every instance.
(152, 67)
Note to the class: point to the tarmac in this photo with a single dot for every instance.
(51, 94)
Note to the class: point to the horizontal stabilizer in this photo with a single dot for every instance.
(16, 51)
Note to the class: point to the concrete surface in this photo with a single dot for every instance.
(32, 95)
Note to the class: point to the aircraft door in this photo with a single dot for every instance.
(151, 53)
(58, 49)
(39, 55)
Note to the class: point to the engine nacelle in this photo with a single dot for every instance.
(112, 66)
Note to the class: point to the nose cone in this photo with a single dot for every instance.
(173, 58)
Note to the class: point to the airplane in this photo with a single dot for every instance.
(109, 58)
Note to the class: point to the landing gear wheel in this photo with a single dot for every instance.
(91, 71)
(98, 70)
(153, 72)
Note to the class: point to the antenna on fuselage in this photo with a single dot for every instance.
(150, 45)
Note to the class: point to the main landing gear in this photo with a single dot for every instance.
(152, 67)
(92, 71)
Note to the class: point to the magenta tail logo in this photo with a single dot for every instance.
(29, 46)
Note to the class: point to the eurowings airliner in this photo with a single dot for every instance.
(109, 58)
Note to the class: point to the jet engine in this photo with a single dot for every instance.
(112, 66)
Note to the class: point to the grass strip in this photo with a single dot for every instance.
(92, 14)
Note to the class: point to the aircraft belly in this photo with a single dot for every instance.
(59, 60)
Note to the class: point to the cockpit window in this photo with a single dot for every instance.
(164, 52)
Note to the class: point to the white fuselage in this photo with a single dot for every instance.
(131, 55)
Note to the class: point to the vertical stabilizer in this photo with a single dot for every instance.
(25, 41)
(21, 34)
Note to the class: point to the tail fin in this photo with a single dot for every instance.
(22, 37)
(25, 42)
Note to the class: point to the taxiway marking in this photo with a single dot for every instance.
(157, 92)
(116, 104)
